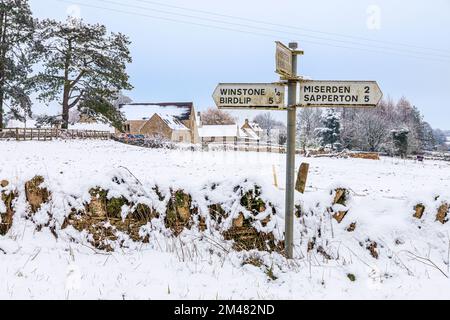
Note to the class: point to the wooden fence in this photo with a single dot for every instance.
(245, 145)
(23, 134)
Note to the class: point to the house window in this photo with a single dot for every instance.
(180, 139)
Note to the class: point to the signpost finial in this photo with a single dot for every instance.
(293, 45)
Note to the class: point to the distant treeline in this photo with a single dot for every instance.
(374, 130)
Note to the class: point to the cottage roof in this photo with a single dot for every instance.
(172, 121)
(256, 127)
(249, 134)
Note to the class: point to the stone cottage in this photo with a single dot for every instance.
(175, 122)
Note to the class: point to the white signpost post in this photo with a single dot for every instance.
(314, 94)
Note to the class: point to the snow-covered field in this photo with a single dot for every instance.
(413, 257)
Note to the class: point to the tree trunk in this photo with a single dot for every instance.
(66, 94)
(2, 67)
(65, 111)
(1, 108)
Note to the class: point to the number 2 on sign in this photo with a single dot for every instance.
(367, 91)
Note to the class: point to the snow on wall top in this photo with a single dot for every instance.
(218, 131)
(144, 111)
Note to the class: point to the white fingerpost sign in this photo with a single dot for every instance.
(250, 96)
(346, 94)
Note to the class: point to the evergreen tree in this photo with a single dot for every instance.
(16, 41)
(400, 139)
(84, 68)
(330, 132)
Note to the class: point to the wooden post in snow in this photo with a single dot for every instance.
(302, 178)
(275, 179)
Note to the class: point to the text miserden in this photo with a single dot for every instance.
(339, 94)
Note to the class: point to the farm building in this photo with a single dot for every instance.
(219, 134)
(226, 134)
(253, 130)
(175, 122)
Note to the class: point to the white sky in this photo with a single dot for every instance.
(184, 62)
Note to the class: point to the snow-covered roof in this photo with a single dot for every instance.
(32, 124)
(218, 131)
(144, 111)
(19, 124)
(249, 134)
(256, 127)
(92, 127)
(172, 122)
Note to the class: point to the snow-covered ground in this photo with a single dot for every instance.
(413, 254)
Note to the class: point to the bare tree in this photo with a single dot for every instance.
(307, 122)
(268, 124)
(372, 130)
(214, 116)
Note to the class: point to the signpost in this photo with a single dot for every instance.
(250, 95)
(346, 94)
(283, 60)
(271, 96)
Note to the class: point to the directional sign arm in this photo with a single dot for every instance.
(250, 96)
(350, 94)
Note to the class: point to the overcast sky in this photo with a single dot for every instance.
(408, 52)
